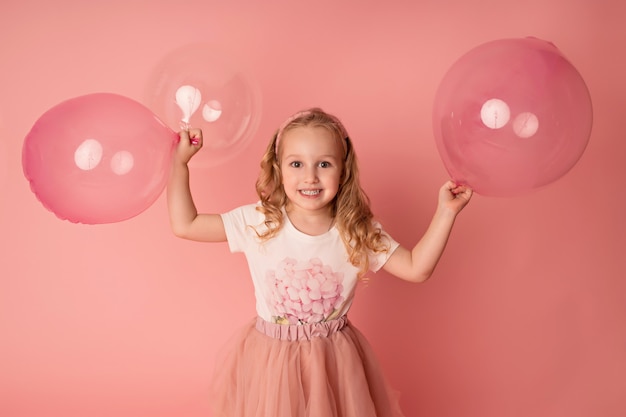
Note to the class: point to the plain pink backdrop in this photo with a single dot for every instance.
(525, 316)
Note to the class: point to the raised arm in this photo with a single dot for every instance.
(185, 221)
(418, 264)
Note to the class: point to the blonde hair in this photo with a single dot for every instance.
(350, 207)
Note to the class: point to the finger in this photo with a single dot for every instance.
(195, 137)
(454, 188)
(195, 132)
(466, 193)
(183, 135)
(462, 190)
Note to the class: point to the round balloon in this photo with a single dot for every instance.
(200, 86)
(510, 116)
(98, 158)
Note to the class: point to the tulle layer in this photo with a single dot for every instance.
(315, 370)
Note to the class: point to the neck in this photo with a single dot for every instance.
(313, 223)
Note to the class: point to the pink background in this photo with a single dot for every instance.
(525, 315)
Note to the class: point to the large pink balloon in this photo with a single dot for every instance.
(510, 116)
(98, 158)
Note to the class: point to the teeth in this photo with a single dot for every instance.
(310, 192)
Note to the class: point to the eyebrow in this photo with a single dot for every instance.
(327, 156)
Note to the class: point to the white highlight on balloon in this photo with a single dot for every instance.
(188, 99)
(88, 154)
(525, 124)
(495, 113)
(122, 162)
(212, 111)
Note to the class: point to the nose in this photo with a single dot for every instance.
(310, 175)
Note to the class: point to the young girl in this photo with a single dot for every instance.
(307, 242)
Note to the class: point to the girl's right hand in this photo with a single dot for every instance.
(189, 144)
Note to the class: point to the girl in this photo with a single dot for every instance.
(307, 242)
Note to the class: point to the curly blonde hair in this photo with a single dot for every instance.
(350, 207)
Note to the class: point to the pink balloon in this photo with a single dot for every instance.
(203, 87)
(510, 116)
(98, 158)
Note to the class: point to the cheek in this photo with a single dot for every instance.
(288, 180)
(335, 180)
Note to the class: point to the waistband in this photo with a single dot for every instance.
(301, 331)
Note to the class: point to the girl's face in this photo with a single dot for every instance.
(311, 162)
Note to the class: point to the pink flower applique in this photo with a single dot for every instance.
(304, 292)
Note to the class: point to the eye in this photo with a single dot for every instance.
(295, 164)
(325, 164)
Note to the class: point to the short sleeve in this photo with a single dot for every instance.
(238, 224)
(378, 260)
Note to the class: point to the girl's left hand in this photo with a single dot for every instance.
(454, 196)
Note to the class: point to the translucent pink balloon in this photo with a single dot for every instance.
(200, 86)
(99, 158)
(510, 116)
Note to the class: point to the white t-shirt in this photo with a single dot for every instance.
(297, 278)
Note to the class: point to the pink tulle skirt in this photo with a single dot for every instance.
(313, 370)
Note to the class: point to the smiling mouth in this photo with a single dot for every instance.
(310, 192)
